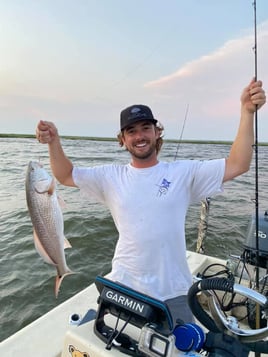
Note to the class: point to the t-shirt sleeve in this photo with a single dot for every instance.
(90, 181)
(207, 179)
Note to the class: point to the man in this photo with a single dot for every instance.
(149, 199)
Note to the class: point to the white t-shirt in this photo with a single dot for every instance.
(149, 208)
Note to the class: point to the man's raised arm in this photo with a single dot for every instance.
(238, 162)
(61, 166)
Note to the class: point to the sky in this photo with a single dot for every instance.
(78, 63)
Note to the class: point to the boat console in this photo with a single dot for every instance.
(149, 315)
(130, 322)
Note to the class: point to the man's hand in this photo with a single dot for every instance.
(46, 132)
(253, 96)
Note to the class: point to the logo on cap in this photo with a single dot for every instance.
(135, 110)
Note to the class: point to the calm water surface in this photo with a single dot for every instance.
(27, 283)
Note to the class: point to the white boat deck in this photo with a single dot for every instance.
(45, 336)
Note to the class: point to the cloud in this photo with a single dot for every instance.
(232, 60)
(212, 84)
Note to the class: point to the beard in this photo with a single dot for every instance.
(142, 154)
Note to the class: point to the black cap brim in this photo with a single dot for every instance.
(133, 121)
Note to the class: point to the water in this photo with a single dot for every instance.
(27, 283)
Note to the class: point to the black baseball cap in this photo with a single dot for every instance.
(136, 113)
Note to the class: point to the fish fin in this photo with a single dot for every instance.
(52, 186)
(58, 281)
(61, 202)
(44, 186)
(67, 244)
(41, 250)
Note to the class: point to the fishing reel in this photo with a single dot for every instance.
(221, 318)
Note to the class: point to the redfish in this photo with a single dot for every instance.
(47, 219)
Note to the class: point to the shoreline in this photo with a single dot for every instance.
(69, 137)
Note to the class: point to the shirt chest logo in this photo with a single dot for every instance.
(163, 187)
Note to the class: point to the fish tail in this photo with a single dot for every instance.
(58, 281)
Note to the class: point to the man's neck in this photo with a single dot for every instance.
(143, 163)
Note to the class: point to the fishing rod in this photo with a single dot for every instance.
(182, 130)
(257, 354)
(256, 149)
(203, 224)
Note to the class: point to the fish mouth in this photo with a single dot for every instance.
(35, 165)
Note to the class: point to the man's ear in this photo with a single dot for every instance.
(120, 138)
(158, 132)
